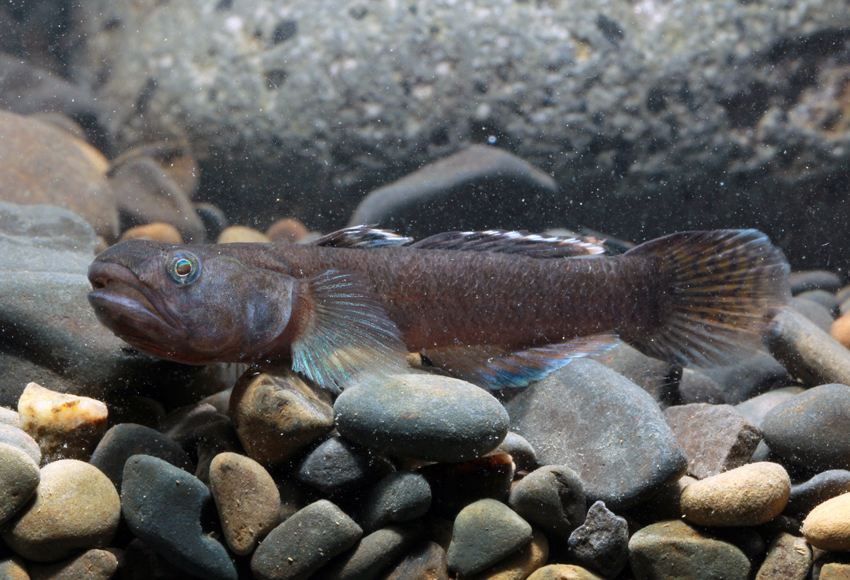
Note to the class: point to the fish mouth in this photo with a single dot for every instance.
(131, 309)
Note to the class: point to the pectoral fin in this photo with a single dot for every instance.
(346, 333)
(498, 368)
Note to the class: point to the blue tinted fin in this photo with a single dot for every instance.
(346, 333)
(513, 242)
(498, 368)
(362, 237)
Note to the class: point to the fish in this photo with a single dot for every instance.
(501, 309)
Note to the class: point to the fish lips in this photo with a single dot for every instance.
(131, 309)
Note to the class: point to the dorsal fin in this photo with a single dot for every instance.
(497, 368)
(513, 242)
(361, 237)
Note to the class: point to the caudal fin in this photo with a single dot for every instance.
(724, 288)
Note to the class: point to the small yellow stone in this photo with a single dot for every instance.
(563, 572)
(828, 525)
(236, 234)
(157, 231)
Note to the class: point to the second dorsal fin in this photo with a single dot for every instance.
(513, 242)
(362, 237)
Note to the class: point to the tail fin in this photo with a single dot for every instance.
(724, 289)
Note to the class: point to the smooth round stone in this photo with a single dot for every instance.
(808, 352)
(13, 569)
(551, 497)
(812, 429)
(484, 533)
(806, 280)
(756, 408)
(808, 495)
(305, 542)
(157, 231)
(673, 549)
(162, 505)
(90, 565)
(828, 525)
(75, 507)
(520, 451)
(9, 417)
(339, 467)
(287, 230)
(127, 439)
(563, 572)
(840, 329)
(247, 499)
(399, 497)
(834, 571)
(747, 496)
(22, 440)
(520, 564)
(19, 477)
(814, 311)
(422, 416)
(65, 426)
(427, 561)
(788, 557)
(826, 299)
(601, 543)
(242, 234)
(370, 557)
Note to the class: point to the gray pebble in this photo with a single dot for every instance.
(339, 466)
(812, 429)
(602, 542)
(398, 497)
(551, 497)
(826, 299)
(805, 280)
(484, 533)
(19, 477)
(807, 351)
(305, 542)
(657, 377)
(756, 408)
(370, 557)
(125, 440)
(616, 440)
(697, 387)
(814, 311)
(809, 494)
(520, 451)
(162, 504)
(9, 417)
(20, 439)
(749, 377)
(422, 416)
(716, 438)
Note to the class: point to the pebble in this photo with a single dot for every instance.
(20, 439)
(755, 409)
(214, 220)
(183, 425)
(716, 438)
(338, 466)
(840, 329)
(13, 569)
(65, 426)
(520, 451)
(788, 558)
(427, 562)
(657, 377)
(746, 496)
(157, 231)
(673, 549)
(520, 564)
(805, 280)
(127, 439)
(76, 507)
(370, 557)
(563, 572)
(242, 234)
(808, 352)
(552, 498)
(305, 542)
(795, 429)
(455, 485)
(90, 565)
(162, 505)
(697, 387)
(19, 477)
(814, 312)
(622, 460)
(287, 230)
(277, 415)
(247, 500)
(823, 486)
(398, 497)
(828, 525)
(835, 571)
(9, 417)
(749, 377)
(423, 416)
(484, 533)
(826, 299)
(601, 543)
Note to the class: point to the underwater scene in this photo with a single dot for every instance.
(425, 290)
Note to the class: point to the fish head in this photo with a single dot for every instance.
(195, 304)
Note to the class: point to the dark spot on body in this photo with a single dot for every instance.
(480, 87)
(413, 9)
(224, 5)
(112, 23)
(610, 29)
(358, 12)
(440, 136)
(656, 100)
(143, 101)
(275, 78)
(284, 31)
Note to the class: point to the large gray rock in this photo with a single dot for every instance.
(50, 333)
(706, 113)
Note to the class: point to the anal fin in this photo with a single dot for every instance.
(497, 368)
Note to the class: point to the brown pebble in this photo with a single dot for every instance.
(563, 572)
(19, 477)
(157, 231)
(13, 569)
(90, 565)
(747, 496)
(239, 234)
(828, 525)
(788, 558)
(65, 426)
(840, 330)
(247, 499)
(287, 230)
(834, 571)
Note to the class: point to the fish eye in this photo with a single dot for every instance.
(184, 268)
